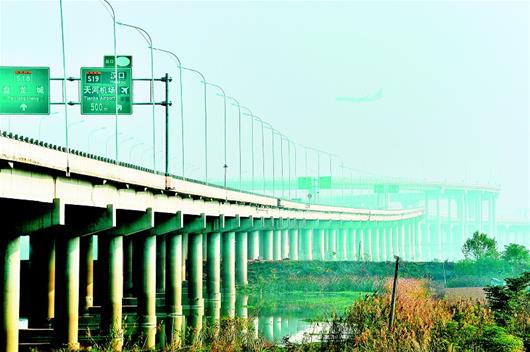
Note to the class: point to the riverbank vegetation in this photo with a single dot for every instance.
(483, 265)
(424, 322)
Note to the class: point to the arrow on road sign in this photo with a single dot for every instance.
(119, 107)
(23, 107)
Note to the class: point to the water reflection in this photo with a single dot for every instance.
(266, 320)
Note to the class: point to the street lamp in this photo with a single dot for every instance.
(149, 41)
(92, 133)
(239, 143)
(113, 15)
(295, 173)
(225, 166)
(205, 122)
(283, 137)
(273, 167)
(254, 117)
(174, 56)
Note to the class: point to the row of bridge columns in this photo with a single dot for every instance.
(328, 240)
(140, 253)
(452, 217)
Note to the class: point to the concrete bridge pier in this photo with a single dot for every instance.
(67, 291)
(352, 243)
(128, 255)
(9, 292)
(228, 264)
(147, 290)
(212, 303)
(359, 238)
(333, 247)
(389, 242)
(185, 250)
(372, 238)
(375, 243)
(147, 226)
(42, 285)
(253, 245)
(367, 243)
(161, 264)
(242, 306)
(396, 238)
(403, 235)
(305, 247)
(81, 221)
(173, 294)
(277, 243)
(194, 228)
(293, 243)
(86, 274)
(266, 248)
(328, 251)
(381, 239)
(228, 305)
(195, 271)
(342, 246)
(213, 266)
(285, 243)
(246, 226)
(111, 258)
(319, 244)
(241, 258)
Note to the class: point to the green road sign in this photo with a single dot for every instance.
(324, 182)
(305, 183)
(381, 188)
(378, 188)
(24, 90)
(98, 87)
(123, 61)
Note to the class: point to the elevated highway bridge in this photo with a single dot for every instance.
(163, 226)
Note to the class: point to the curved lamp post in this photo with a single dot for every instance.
(205, 122)
(269, 126)
(254, 117)
(239, 142)
(225, 166)
(112, 14)
(176, 58)
(149, 41)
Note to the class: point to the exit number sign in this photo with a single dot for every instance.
(24, 90)
(98, 91)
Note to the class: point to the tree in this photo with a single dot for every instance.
(480, 246)
(516, 254)
(510, 305)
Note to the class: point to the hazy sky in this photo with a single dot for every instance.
(434, 90)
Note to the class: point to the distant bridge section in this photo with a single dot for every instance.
(63, 201)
